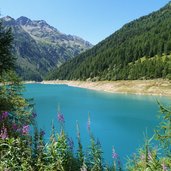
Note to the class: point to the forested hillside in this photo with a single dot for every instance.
(24, 147)
(139, 50)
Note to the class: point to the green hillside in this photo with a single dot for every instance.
(119, 56)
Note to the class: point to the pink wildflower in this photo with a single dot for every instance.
(88, 123)
(61, 118)
(4, 133)
(4, 115)
(114, 154)
(25, 129)
(14, 126)
(164, 167)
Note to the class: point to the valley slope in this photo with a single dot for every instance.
(139, 50)
(40, 47)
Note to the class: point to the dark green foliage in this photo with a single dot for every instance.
(15, 154)
(80, 153)
(6, 59)
(114, 58)
(10, 85)
(151, 157)
(23, 154)
(163, 133)
(95, 156)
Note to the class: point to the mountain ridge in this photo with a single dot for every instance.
(39, 47)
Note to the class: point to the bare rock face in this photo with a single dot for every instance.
(40, 47)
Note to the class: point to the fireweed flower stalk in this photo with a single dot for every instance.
(25, 129)
(70, 143)
(114, 157)
(116, 160)
(80, 153)
(95, 154)
(14, 126)
(4, 115)
(60, 118)
(34, 115)
(164, 167)
(114, 154)
(88, 123)
(3, 133)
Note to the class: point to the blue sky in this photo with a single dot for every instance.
(93, 20)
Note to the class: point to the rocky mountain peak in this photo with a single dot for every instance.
(43, 26)
(23, 21)
(41, 22)
(8, 18)
(40, 47)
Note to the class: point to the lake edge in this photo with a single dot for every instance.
(157, 87)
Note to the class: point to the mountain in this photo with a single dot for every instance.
(40, 47)
(139, 50)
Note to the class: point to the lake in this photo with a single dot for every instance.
(117, 120)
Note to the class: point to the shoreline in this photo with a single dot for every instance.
(156, 87)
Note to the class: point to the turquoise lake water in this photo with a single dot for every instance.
(116, 119)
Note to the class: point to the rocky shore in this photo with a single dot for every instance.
(144, 87)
